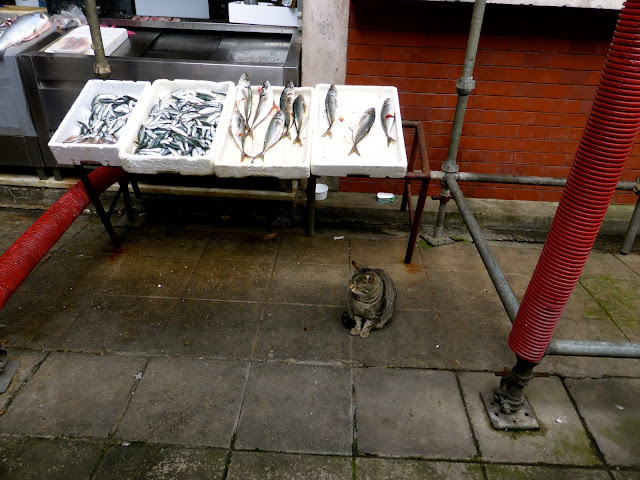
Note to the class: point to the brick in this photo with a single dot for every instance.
(555, 91)
(527, 194)
(537, 60)
(505, 131)
(496, 116)
(558, 133)
(430, 100)
(585, 106)
(583, 92)
(449, 56)
(542, 75)
(477, 130)
(532, 131)
(504, 193)
(539, 105)
(441, 114)
(483, 102)
(501, 58)
(559, 172)
(580, 77)
(439, 71)
(467, 143)
(551, 159)
(444, 86)
(474, 116)
(522, 118)
(574, 120)
(385, 69)
(357, 67)
(439, 128)
(441, 40)
(512, 103)
(550, 196)
(484, 167)
(549, 119)
(526, 158)
(363, 80)
(501, 157)
(513, 145)
(421, 85)
(577, 62)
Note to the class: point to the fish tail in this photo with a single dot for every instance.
(327, 133)
(297, 141)
(354, 150)
(390, 141)
(289, 134)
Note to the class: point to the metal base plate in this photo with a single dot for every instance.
(436, 242)
(123, 221)
(522, 419)
(7, 374)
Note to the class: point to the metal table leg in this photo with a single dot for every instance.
(93, 196)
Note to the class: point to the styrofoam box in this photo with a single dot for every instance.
(171, 8)
(82, 153)
(112, 38)
(330, 155)
(152, 164)
(284, 160)
(262, 14)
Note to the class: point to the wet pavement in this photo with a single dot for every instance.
(207, 352)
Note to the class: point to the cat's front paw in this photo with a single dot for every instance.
(364, 333)
(355, 331)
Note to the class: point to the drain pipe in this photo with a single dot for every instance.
(101, 68)
(464, 86)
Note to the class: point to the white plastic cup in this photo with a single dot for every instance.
(321, 191)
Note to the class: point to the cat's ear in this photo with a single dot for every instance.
(355, 265)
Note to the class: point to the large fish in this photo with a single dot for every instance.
(286, 107)
(363, 127)
(300, 116)
(388, 117)
(244, 97)
(238, 131)
(23, 28)
(331, 107)
(265, 105)
(275, 132)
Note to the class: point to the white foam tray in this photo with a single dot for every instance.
(104, 154)
(331, 157)
(285, 160)
(262, 14)
(154, 164)
(112, 38)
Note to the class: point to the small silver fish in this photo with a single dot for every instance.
(24, 28)
(300, 116)
(265, 105)
(388, 117)
(244, 97)
(363, 127)
(238, 131)
(275, 132)
(331, 106)
(286, 107)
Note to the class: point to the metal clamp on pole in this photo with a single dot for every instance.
(101, 68)
(634, 223)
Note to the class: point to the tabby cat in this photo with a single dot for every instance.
(372, 301)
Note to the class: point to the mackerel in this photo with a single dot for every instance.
(331, 108)
(388, 118)
(363, 127)
(275, 132)
(300, 116)
(238, 131)
(265, 106)
(286, 106)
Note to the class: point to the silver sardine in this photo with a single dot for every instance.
(244, 97)
(300, 116)
(363, 127)
(275, 132)
(265, 105)
(331, 107)
(388, 118)
(24, 28)
(238, 131)
(286, 107)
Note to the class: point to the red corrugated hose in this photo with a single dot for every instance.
(605, 145)
(22, 257)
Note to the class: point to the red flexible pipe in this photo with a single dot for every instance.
(605, 145)
(22, 257)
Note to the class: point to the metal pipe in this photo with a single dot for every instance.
(100, 67)
(632, 230)
(593, 349)
(508, 298)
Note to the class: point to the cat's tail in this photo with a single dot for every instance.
(347, 321)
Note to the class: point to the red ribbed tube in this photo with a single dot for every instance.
(605, 145)
(22, 257)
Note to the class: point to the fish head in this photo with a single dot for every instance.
(244, 80)
(371, 111)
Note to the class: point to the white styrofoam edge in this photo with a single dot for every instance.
(112, 38)
(104, 154)
(233, 168)
(262, 14)
(371, 170)
(153, 164)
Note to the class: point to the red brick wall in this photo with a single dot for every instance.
(536, 74)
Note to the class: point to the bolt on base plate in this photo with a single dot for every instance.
(435, 241)
(521, 419)
(6, 375)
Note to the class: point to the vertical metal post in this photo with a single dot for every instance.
(311, 205)
(632, 230)
(464, 86)
(101, 68)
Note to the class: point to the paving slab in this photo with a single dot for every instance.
(282, 466)
(47, 459)
(310, 284)
(510, 472)
(514, 257)
(631, 260)
(303, 333)
(119, 324)
(561, 439)
(221, 330)
(380, 251)
(138, 461)
(630, 327)
(619, 298)
(73, 394)
(594, 367)
(626, 474)
(28, 363)
(391, 469)
(297, 408)
(607, 265)
(186, 402)
(459, 290)
(411, 413)
(413, 287)
(32, 321)
(236, 280)
(413, 338)
(611, 409)
(257, 247)
(165, 241)
(456, 257)
(319, 249)
(93, 239)
(487, 348)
